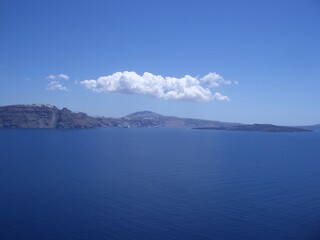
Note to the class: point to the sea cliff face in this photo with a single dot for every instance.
(48, 116)
(45, 116)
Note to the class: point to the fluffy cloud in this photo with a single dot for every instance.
(56, 85)
(213, 80)
(60, 76)
(185, 88)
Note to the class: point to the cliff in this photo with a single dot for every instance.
(46, 116)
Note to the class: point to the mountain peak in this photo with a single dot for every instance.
(144, 114)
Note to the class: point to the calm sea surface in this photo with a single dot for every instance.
(159, 184)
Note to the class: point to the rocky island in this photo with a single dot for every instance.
(49, 116)
(259, 128)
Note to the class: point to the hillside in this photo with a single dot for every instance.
(49, 116)
(151, 119)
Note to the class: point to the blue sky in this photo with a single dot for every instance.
(263, 56)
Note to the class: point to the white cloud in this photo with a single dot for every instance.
(185, 88)
(63, 76)
(220, 97)
(59, 76)
(56, 85)
(52, 77)
(213, 79)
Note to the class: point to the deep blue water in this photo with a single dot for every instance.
(159, 184)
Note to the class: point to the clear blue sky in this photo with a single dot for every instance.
(270, 48)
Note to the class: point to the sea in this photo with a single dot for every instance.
(160, 183)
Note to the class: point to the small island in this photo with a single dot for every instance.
(260, 128)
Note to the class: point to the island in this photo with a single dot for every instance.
(260, 128)
(47, 116)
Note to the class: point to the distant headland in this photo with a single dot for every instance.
(49, 116)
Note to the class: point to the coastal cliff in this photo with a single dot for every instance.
(49, 116)
(46, 116)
